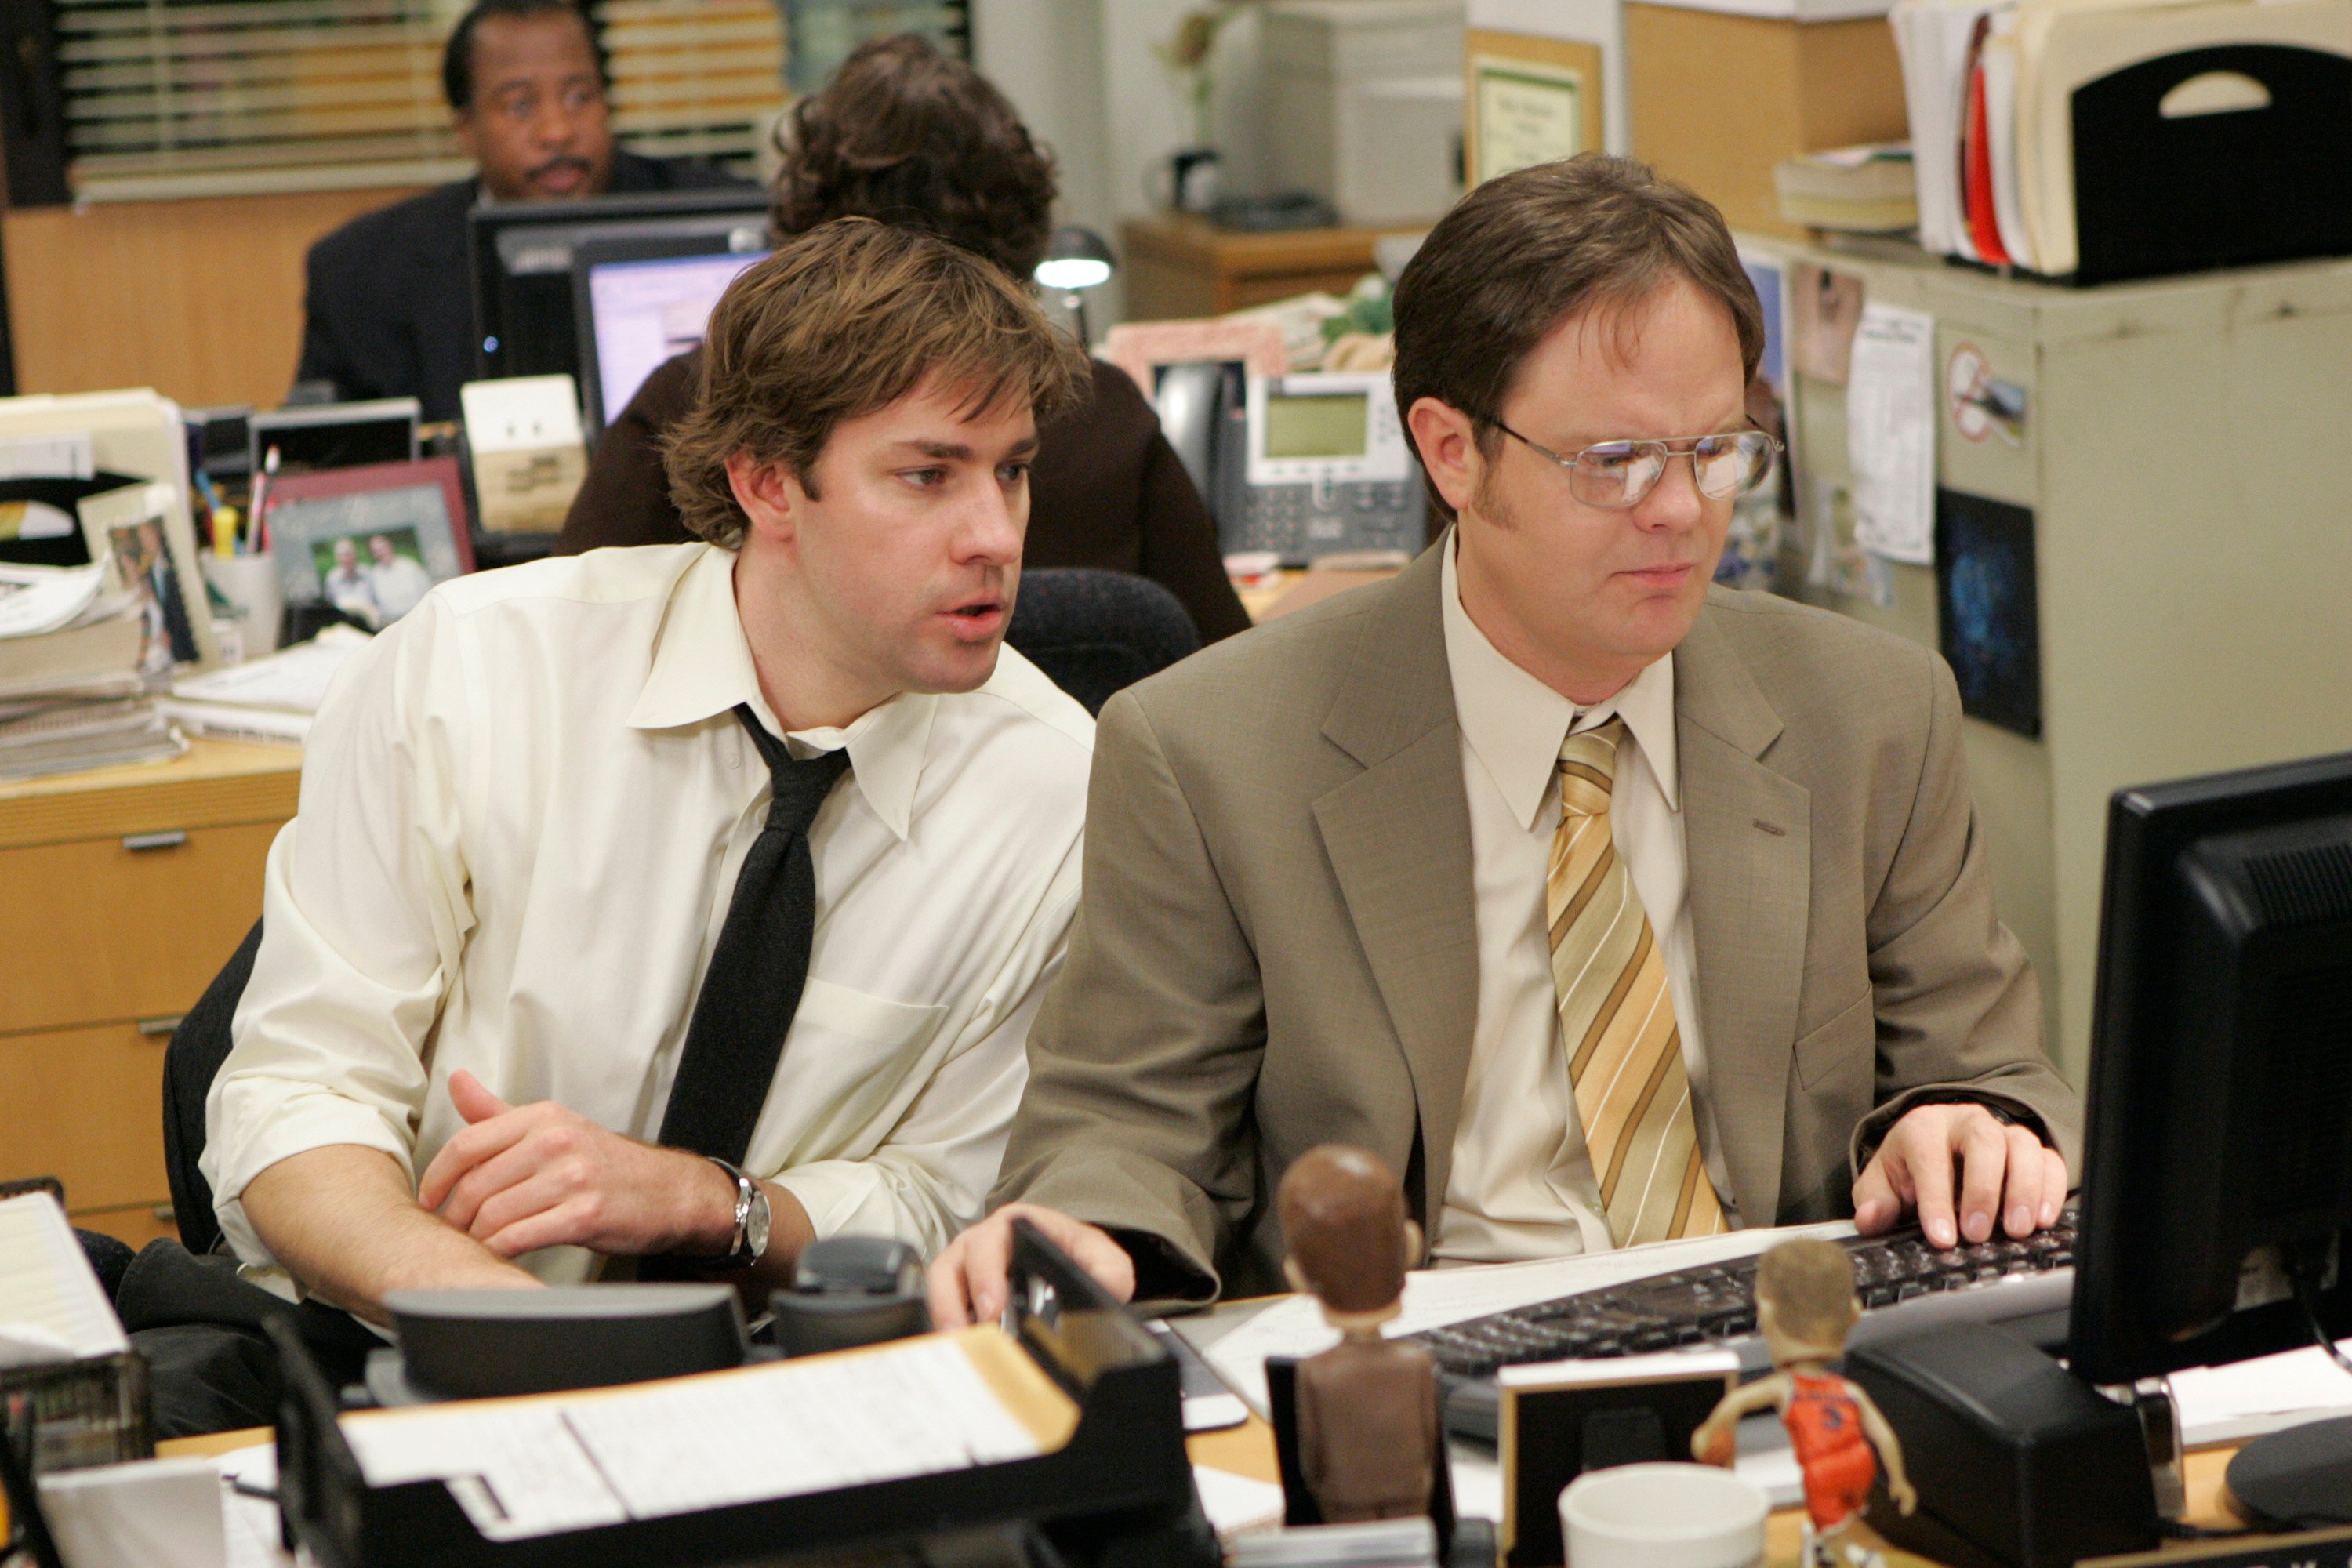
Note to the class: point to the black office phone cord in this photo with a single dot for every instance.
(2307, 1296)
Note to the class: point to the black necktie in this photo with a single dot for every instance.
(753, 984)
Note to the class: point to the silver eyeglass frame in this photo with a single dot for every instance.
(1683, 446)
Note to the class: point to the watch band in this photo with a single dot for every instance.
(738, 1254)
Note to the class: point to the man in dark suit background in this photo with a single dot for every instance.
(389, 306)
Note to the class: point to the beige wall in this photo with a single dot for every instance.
(200, 299)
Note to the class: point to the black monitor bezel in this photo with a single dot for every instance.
(591, 254)
(2149, 829)
(485, 222)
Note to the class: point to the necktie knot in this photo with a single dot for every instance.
(1587, 769)
(800, 785)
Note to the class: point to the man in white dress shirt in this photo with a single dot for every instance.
(493, 932)
(398, 582)
(1607, 906)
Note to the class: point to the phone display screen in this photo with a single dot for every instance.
(1335, 425)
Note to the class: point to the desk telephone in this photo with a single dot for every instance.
(1304, 464)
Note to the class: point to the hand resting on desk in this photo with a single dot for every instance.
(2005, 1177)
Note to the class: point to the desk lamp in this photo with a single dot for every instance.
(1076, 259)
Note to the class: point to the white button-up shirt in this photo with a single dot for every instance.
(523, 811)
(1522, 1183)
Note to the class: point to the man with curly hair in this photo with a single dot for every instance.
(906, 135)
(633, 909)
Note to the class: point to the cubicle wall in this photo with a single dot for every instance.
(2193, 548)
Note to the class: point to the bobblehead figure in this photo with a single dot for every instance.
(1367, 1408)
(1805, 1306)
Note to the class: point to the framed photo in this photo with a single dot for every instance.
(370, 540)
(154, 548)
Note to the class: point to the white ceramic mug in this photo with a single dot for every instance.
(1663, 1516)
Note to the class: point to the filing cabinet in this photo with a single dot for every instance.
(122, 891)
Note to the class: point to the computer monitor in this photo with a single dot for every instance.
(2219, 1162)
(638, 302)
(315, 435)
(521, 256)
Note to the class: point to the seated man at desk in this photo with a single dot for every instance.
(576, 951)
(388, 297)
(1608, 906)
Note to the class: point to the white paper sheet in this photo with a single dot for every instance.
(1435, 1296)
(1236, 1504)
(920, 1408)
(515, 1470)
(36, 599)
(46, 1284)
(2231, 1404)
(249, 1524)
(68, 455)
(1890, 431)
(295, 680)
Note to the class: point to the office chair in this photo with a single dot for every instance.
(1093, 632)
(198, 1047)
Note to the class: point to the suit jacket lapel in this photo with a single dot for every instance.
(1746, 831)
(1398, 836)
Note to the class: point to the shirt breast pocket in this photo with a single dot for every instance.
(852, 1064)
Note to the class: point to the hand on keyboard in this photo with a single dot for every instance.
(2009, 1180)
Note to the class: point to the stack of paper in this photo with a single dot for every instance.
(268, 700)
(1990, 86)
(52, 1306)
(71, 695)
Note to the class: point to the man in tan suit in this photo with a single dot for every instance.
(1608, 906)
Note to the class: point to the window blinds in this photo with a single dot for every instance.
(204, 98)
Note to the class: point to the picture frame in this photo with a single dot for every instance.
(371, 540)
(145, 524)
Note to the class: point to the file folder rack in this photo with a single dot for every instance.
(1118, 1494)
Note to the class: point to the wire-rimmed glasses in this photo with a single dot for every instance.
(1616, 475)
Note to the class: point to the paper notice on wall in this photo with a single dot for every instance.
(1890, 428)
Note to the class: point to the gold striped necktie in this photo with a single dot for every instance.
(1617, 1016)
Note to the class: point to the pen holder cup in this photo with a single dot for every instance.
(250, 582)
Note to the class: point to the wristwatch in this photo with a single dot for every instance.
(751, 1221)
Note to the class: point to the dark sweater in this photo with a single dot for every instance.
(1106, 491)
(388, 299)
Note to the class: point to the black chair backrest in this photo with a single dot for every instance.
(198, 1047)
(1093, 632)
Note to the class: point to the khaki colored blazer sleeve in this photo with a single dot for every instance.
(1959, 1009)
(1145, 1055)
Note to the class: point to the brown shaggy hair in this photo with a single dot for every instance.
(838, 324)
(906, 135)
(1525, 251)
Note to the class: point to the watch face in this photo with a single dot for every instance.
(755, 1224)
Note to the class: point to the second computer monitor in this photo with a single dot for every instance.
(639, 302)
(2218, 1183)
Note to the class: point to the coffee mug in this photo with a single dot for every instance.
(1663, 1516)
(251, 583)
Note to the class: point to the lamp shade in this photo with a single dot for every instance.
(1076, 258)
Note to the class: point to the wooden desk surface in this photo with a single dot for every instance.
(214, 782)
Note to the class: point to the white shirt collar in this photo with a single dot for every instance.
(702, 667)
(1515, 724)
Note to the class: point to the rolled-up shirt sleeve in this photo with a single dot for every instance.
(929, 1176)
(364, 915)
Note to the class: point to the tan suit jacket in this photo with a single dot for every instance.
(1276, 945)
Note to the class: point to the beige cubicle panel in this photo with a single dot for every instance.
(2193, 544)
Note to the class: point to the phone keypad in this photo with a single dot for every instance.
(1299, 522)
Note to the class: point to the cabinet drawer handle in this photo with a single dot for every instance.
(151, 1027)
(171, 839)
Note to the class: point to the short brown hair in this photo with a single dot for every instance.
(1343, 1219)
(905, 134)
(1810, 1283)
(1525, 251)
(838, 324)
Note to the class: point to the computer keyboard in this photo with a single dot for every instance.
(1904, 1283)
